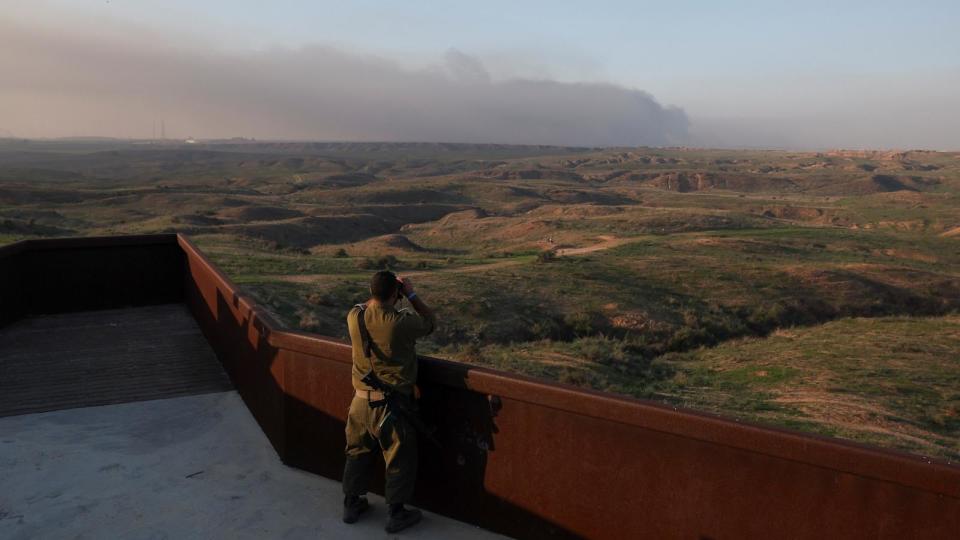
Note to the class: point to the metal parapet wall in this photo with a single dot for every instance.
(80, 274)
(525, 457)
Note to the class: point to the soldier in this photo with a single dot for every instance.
(383, 341)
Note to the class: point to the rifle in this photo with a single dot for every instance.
(395, 401)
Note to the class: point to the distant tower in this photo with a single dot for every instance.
(163, 130)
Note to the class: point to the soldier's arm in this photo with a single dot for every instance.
(427, 319)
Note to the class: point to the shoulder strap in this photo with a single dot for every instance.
(362, 326)
(370, 349)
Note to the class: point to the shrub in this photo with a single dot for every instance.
(506, 330)
(471, 352)
(547, 328)
(602, 349)
(581, 378)
(546, 256)
(387, 262)
(689, 338)
(308, 320)
(585, 323)
(341, 253)
(325, 299)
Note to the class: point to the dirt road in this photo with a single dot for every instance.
(607, 242)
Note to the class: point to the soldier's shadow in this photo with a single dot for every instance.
(454, 474)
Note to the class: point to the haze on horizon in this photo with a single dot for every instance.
(740, 74)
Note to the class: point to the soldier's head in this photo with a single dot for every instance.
(384, 287)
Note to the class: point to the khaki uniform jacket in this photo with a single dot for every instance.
(394, 332)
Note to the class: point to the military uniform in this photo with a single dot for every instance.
(393, 334)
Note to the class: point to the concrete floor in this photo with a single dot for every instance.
(179, 468)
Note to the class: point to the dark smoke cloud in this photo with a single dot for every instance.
(57, 84)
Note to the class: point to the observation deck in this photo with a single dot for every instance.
(142, 395)
(121, 423)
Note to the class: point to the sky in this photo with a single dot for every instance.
(794, 74)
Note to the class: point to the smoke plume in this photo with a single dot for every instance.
(114, 83)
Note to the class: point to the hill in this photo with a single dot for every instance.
(666, 273)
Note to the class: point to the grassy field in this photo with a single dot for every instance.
(893, 381)
(815, 291)
(890, 381)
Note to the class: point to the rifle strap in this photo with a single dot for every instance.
(364, 333)
(369, 348)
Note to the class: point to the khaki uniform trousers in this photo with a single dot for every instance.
(372, 429)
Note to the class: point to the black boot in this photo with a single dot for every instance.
(353, 506)
(401, 518)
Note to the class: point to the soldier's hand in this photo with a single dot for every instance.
(406, 285)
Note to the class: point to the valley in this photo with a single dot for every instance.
(817, 291)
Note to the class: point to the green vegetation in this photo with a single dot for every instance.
(892, 380)
(815, 291)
